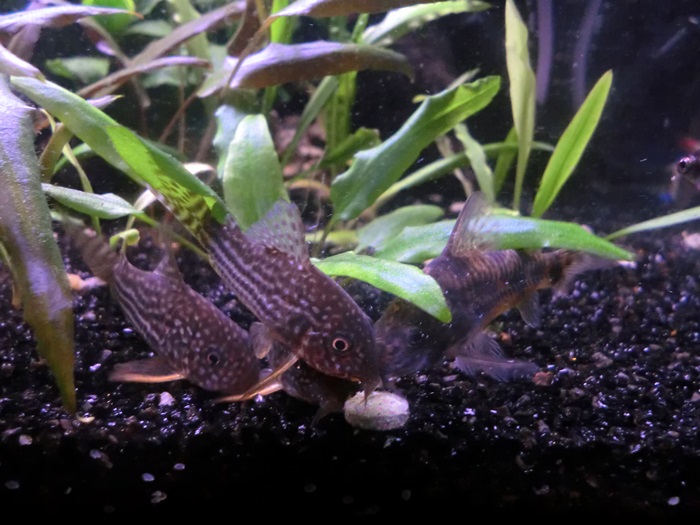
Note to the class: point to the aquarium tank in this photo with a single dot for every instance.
(368, 256)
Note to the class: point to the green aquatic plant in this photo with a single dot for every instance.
(236, 86)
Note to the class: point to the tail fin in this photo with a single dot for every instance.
(94, 250)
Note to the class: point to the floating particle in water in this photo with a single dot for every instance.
(147, 477)
(158, 496)
(674, 500)
(179, 466)
(12, 484)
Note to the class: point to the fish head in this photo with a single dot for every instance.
(225, 364)
(342, 345)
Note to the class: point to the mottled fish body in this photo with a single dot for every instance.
(479, 285)
(192, 338)
(301, 308)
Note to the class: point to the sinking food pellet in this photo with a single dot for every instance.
(380, 411)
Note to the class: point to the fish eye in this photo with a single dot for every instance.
(340, 344)
(213, 356)
(684, 164)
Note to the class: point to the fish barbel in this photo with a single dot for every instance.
(192, 338)
(479, 285)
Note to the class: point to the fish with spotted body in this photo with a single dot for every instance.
(298, 307)
(193, 339)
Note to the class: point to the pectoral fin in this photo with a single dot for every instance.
(260, 339)
(266, 385)
(483, 355)
(530, 310)
(151, 370)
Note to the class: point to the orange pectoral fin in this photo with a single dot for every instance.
(265, 386)
(151, 370)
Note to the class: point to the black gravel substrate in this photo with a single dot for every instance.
(610, 428)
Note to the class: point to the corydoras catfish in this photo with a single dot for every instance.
(298, 306)
(193, 339)
(479, 284)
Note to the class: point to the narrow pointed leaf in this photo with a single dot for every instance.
(11, 64)
(54, 16)
(27, 238)
(522, 91)
(399, 22)
(477, 159)
(672, 219)
(571, 145)
(403, 280)
(106, 206)
(252, 179)
(502, 231)
(327, 8)
(374, 170)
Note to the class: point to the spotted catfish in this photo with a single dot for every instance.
(479, 284)
(298, 306)
(193, 339)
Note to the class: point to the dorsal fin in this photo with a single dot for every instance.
(469, 233)
(167, 266)
(281, 228)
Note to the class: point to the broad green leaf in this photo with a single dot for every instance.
(374, 170)
(252, 180)
(383, 229)
(417, 244)
(54, 16)
(571, 145)
(278, 64)
(400, 22)
(28, 243)
(228, 117)
(477, 160)
(82, 69)
(664, 221)
(522, 92)
(152, 28)
(187, 196)
(106, 206)
(403, 280)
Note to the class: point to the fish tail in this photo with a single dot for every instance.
(95, 251)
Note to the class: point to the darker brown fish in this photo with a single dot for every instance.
(193, 339)
(479, 284)
(300, 308)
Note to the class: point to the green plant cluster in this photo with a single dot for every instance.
(238, 84)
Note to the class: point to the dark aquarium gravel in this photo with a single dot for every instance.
(608, 426)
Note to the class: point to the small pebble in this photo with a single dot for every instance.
(381, 411)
